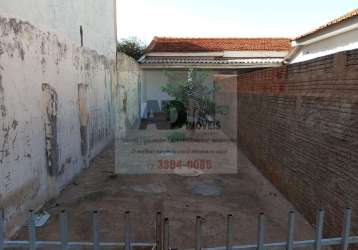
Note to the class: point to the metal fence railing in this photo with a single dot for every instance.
(162, 235)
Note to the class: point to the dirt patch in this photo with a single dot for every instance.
(207, 189)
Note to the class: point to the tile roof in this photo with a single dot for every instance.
(186, 60)
(332, 23)
(172, 44)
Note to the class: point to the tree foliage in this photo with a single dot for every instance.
(180, 88)
(132, 47)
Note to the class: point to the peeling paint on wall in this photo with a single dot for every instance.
(84, 116)
(17, 198)
(6, 127)
(129, 81)
(50, 118)
(2, 99)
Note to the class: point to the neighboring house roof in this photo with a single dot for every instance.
(209, 61)
(334, 28)
(172, 44)
(215, 52)
(337, 21)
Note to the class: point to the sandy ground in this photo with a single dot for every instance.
(244, 194)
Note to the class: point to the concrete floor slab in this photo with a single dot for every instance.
(180, 198)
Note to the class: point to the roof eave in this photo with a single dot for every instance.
(328, 32)
(335, 30)
(209, 66)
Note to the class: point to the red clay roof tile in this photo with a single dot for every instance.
(172, 44)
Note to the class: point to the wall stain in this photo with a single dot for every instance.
(42, 47)
(16, 25)
(43, 64)
(84, 116)
(22, 53)
(1, 87)
(14, 124)
(68, 162)
(4, 146)
(1, 49)
(2, 99)
(18, 197)
(51, 107)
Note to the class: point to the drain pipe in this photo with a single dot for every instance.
(293, 52)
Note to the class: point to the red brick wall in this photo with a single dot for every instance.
(299, 125)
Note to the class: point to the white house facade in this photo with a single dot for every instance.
(213, 55)
(338, 35)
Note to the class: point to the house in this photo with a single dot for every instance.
(214, 55)
(338, 35)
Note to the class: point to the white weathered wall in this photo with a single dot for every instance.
(343, 42)
(65, 17)
(129, 82)
(29, 58)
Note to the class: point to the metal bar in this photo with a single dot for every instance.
(229, 233)
(95, 229)
(317, 243)
(159, 231)
(198, 232)
(261, 232)
(25, 244)
(63, 230)
(346, 228)
(2, 228)
(32, 231)
(282, 245)
(291, 226)
(276, 245)
(127, 233)
(319, 229)
(166, 235)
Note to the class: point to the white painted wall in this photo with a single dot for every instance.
(30, 57)
(65, 17)
(129, 82)
(153, 80)
(342, 42)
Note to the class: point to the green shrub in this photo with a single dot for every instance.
(176, 113)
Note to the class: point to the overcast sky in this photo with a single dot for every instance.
(226, 18)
